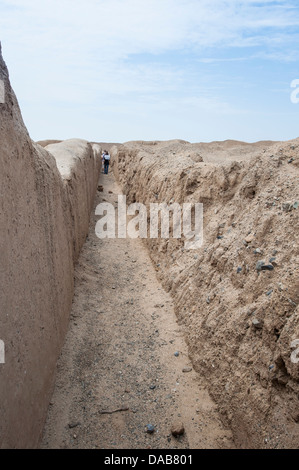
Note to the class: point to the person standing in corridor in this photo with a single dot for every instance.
(106, 162)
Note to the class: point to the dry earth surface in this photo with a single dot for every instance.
(237, 295)
(234, 301)
(125, 363)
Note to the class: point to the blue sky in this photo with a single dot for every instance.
(119, 70)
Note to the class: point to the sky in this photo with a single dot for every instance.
(121, 70)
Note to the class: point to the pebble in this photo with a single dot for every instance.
(287, 206)
(176, 353)
(150, 429)
(74, 425)
(177, 429)
(259, 265)
(249, 238)
(267, 267)
(239, 269)
(187, 369)
(258, 324)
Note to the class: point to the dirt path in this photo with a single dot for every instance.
(119, 371)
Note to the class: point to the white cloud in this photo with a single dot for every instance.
(118, 28)
(110, 52)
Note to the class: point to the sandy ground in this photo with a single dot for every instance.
(119, 370)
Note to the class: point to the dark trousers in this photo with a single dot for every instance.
(106, 167)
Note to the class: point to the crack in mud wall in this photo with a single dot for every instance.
(237, 296)
(46, 199)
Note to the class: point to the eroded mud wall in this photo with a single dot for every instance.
(237, 296)
(79, 165)
(44, 214)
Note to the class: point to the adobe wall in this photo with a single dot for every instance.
(46, 199)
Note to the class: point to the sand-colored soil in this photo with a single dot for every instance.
(240, 319)
(118, 371)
